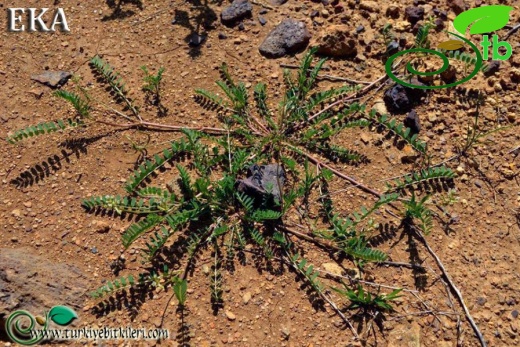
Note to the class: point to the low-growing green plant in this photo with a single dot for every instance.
(417, 211)
(389, 38)
(369, 302)
(216, 207)
(152, 87)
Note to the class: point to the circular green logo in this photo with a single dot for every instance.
(445, 65)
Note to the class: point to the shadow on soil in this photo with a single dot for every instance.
(198, 23)
(39, 172)
(119, 10)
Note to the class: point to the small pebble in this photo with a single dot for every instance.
(196, 40)
(246, 297)
(481, 301)
(230, 315)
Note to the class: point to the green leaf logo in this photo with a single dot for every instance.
(485, 19)
(62, 315)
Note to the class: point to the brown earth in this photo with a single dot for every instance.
(478, 240)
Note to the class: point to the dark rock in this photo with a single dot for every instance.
(314, 14)
(514, 313)
(458, 6)
(337, 41)
(397, 100)
(241, 27)
(196, 40)
(277, 2)
(339, 8)
(34, 283)
(288, 37)
(441, 14)
(94, 250)
(222, 36)
(403, 41)
(263, 11)
(400, 99)
(360, 29)
(492, 68)
(53, 79)
(414, 14)
(237, 10)
(416, 94)
(262, 20)
(412, 121)
(448, 76)
(263, 180)
(439, 24)
(481, 301)
(392, 11)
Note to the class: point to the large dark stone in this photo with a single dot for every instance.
(414, 14)
(290, 36)
(400, 99)
(263, 180)
(34, 283)
(237, 10)
(53, 79)
(397, 100)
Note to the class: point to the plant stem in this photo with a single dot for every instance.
(150, 125)
(179, 128)
(342, 175)
(453, 287)
(324, 297)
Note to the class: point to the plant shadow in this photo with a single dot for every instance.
(118, 10)
(198, 25)
(40, 171)
(418, 271)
